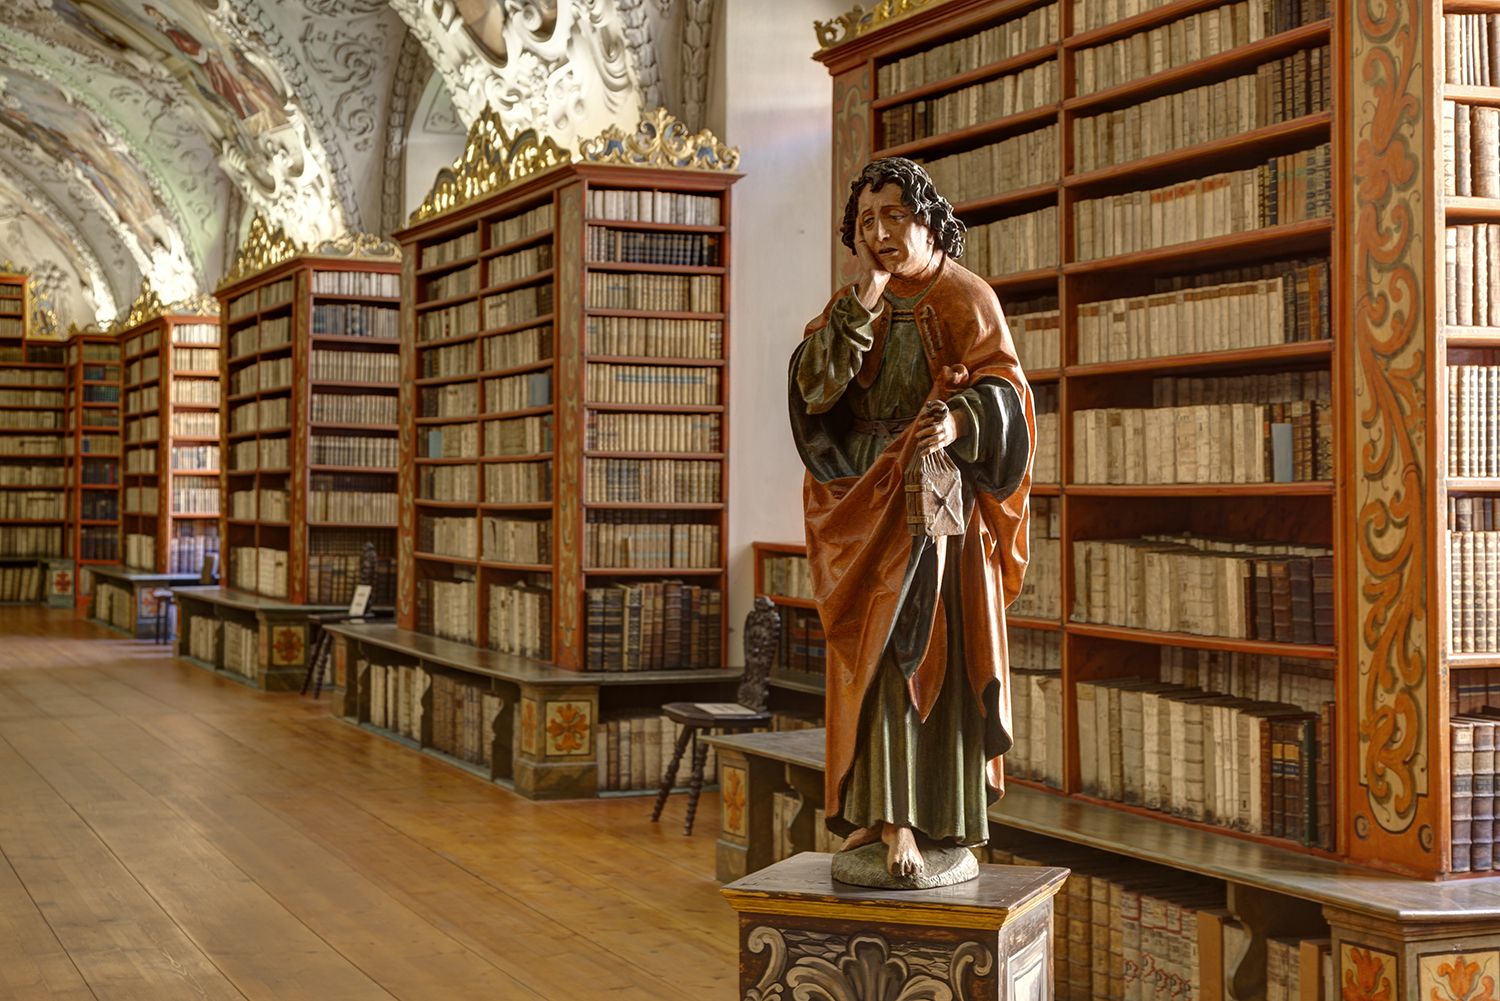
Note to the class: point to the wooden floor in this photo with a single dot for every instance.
(168, 834)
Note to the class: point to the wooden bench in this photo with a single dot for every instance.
(546, 729)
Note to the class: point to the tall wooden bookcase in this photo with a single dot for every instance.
(94, 454)
(1380, 501)
(171, 486)
(565, 359)
(310, 358)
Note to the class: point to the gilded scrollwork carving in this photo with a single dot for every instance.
(857, 21)
(493, 159)
(262, 248)
(661, 140)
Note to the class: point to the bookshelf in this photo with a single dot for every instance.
(1099, 289)
(94, 454)
(33, 460)
(308, 421)
(562, 478)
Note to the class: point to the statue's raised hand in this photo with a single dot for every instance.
(873, 276)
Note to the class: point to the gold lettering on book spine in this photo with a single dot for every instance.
(857, 21)
(492, 160)
(1394, 813)
(661, 140)
(262, 248)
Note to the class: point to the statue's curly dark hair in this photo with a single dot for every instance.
(918, 193)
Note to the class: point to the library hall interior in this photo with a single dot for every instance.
(771, 500)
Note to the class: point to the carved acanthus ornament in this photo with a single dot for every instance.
(661, 141)
(147, 306)
(857, 21)
(261, 249)
(492, 160)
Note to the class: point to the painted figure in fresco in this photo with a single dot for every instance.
(913, 358)
(244, 90)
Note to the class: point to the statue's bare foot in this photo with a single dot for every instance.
(863, 836)
(903, 859)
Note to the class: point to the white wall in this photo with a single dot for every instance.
(775, 103)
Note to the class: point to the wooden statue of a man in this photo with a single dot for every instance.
(912, 359)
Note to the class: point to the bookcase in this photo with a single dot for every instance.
(94, 454)
(308, 423)
(798, 674)
(1220, 234)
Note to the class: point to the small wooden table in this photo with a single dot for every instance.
(125, 599)
(283, 632)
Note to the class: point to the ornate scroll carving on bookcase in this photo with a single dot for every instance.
(851, 150)
(661, 140)
(1394, 814)
(493, 159)
(857, 21)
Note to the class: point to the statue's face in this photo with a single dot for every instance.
(899, 240)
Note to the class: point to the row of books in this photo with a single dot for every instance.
(98, 543)
(449, 441)
(394, 694)
(192, 391)
(1016, 243)
(463, 720)
(266, 453)
(1280, 592)
(447, 483)
(462, 281)
(32, 505)
(144, 400)
(269, 375)
(203, 639)
(30, 398)
(1471, 150)
(355, 499)
(185, 333)
(1036, 714)
(1041, 591)
(456, 248)
(1471, 257)
(653, 337)
(1090, 14)
(263, 336)
(1211, 443)
(1022, 161)
(634, 750)
(1279, 91)
(454, 399)
(516, 540)
(355, 320)
(518, 265)
(148, 341)
(1471, 49)
(1012, 94)
(30, 475)
(349, 408)
(671, 207)
(1291, 188)
(1035, 649)
(452, 321)
(526, 224)
(266, 297)
(628, 540)
(517, 306)
(1474, 775)
(1254, 766)
(99, 505)
(1186, 40)
(1271, 304)
(518, 436)
(383, 284)
(803, 650)
(260, 569)
(517, 482)
(1045, 463)
(785, 577)
(93, 444)
(656, 293)
(188, 499)
(195, 457)
(240, 653)
(30, 540)
(652, 384)
(658, 626)
(651, 482)
(21, 583)
(332, 577)
(30, 445)
(190, 544)
(1032, 30)
(195, 359)
(1473, 591)
(140, 551)
(31, 420)
(32, 377)
(517, 392)
(101, 394)
(1473, 411)
(445, 608)
(649, 247)
(520, 619)
(352, 450)
(141, 500)
(114, 605)
(355, 366)
(457, 537)
(630, 432)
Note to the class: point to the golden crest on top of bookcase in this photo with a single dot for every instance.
(362, 245)
(661, 140)
(857, 21)
(263, 247)
(492, 160)
(147, 306)
(201, 304)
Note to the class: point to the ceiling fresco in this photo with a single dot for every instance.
(132, 130)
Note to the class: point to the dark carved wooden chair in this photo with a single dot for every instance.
(762, 632)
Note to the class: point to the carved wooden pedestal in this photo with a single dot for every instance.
(985, 940)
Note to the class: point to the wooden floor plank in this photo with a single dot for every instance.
(34, 966)
(242, 817)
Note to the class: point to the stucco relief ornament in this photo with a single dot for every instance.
(493, 159)
(661, 140)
